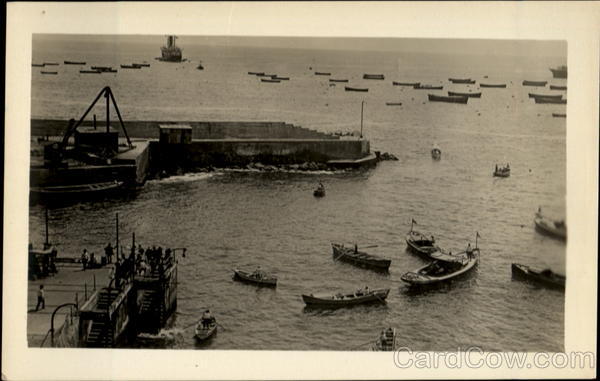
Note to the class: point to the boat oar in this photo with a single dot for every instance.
(220, 326)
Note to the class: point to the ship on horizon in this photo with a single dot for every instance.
(170, 52)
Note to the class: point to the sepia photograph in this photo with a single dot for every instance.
(223, 192)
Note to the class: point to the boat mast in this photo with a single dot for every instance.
(117, 222)
(362, 105)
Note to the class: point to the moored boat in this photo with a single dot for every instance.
(130, 67)
(362, 296)
(559, 72)
(51, 63)
(556, 229)
(359, 258)
(386, 341)
(321, 73)
(49, 72)
(448, 99)
(546, 100)
(393, 103)
(320, 191)
(79, 190)
(535, 83)
(90, 71)
(470, 95)
(558, 115)
(502, 171)
(556, 87)
(75, 62)
(419, 243)
(348, 88)
(436, 152)
(338, 80)
(427, 87)
(270, 80)
(462, 80)
(141, 64)
(548, 96)
(413, 84)
(373, 76)
(547, 277)
(445, 267)
(281, 78)
(37, 65)
(257, 277)
(492, 85)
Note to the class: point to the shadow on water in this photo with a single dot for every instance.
(330, 310)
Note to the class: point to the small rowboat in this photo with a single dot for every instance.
(445, 267)
(338, 80)
(270, 80)
(502, 172)
(436, 153)
(321, 73)
(393, 103)
(546, 100)
(365, 296)
(449, 99)
(558, 115)
(421, 244)
(535, 83)
(559, 72)
(203, 334)
(499, 85)
(548, 96)
(74, 63)
(257, 277)
(348, 88)
(427, 87)
(49, 72)
(470, 95)
(545, 277)
(319, 192)
(413, 84)
(77, 190)
(386, 341)
(359, 258)
(373, 76)
(462, 80)
(555, 87)
(556, 229)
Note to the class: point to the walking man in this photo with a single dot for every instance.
(84, 258)
(41, 298)
(108, 250)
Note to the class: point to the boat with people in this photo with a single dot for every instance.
(467, 81)
(549, 96)
(346, 299)
(257, 277)
(386, 341)
(75, 62)
(445, 267)
(320, 191)
(493, 85)
(348, 88)
(559, 72)
(436, 152)
(544, 225)
(338, 80)
(359, 258)
(427, 87)
(546, 100)
(412, 84)
(448, 99)
(546, 277)
(535, 83)
(373, 76)
(206, 328)
(420, 243)
(556, 87)
(470, 95)
(502, 171)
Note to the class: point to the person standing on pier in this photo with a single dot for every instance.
(108, 250)
(84, 258)
(41, 298)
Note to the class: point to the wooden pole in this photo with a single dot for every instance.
(362, 105)
(117, 222)
(94, 121)
(47, 228)
(107, 111)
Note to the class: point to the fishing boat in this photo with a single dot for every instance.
(448, 99)
(547, 277)
(79, 190)
(90, 71)
(535, 83)
(359, 258)
(338, 80)
(470, 95)
(546, 100)
(548, 96)
(363, 296)
(556, 87)
(270, 80)
(75, 62)
(436, 152)
(203, 334)
(502, 171)
(348, 88)
(386, 341)
(445, 267)
(468, 81)
(421, 244)
(257, 277)
(558, 115)
(556, 229)
(49, 72)
(427, 87)
(321, 73)
(37, 65)
(170, 52)
(413, 84)
(559, 72)
(393, 103)
(373, 76)
(492, 85)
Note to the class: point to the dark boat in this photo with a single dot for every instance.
(449, 99)
(51, 63)
(270, 80)
(373, 76)
(359, 258)
(319, 192)
(281, 78)
(130, 67)
(49, 72)
(90, 71)
(337, 80)
(141, 64)
(427, 87)
(556, 229)
(37, 65)
(462, 80)
(436, 153)
(256, 73)
(386, 341)
(170, 52)
(470, 95)
(200, 67)
(348, 88)
(545, 277)
(257, 277)
(556, 87)
(549, 96)
(558, 115)
(559, 72)
(413, 84)
(393, 103)
(74, 63)
(79, 190)
(445, 267)
(502, 171)
(365, 296)
(499, 85)
(102, 68)
(546, 100)
(204, 334)
(419, 243)
(535, 83)
(321, 73)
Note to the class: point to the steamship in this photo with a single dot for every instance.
(170, 52)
